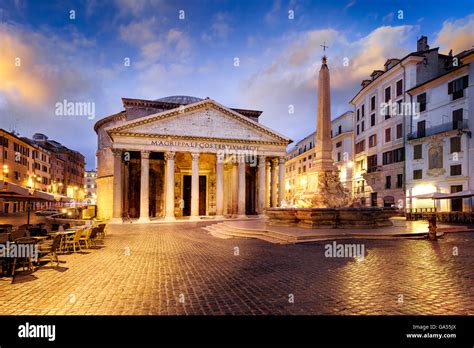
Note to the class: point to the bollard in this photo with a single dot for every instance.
(432, 227)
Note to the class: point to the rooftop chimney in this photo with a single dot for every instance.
(422, 44)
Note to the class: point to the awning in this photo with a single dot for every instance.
(12, 191)
(461, 194)
(13, 188)
(432, 195)
(16, 197)
(43, 195)
(439, 195)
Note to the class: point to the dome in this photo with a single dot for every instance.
(180, 99)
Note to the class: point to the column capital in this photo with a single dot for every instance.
(220, 157)
(195, 156)
(117, 152)
(262, 160)
(145, 154)
(281, 160)
(274, 161)
(169, 155)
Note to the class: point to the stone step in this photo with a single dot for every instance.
(224, 231)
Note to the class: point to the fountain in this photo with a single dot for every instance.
(326, 203)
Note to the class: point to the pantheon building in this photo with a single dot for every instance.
(183, 157)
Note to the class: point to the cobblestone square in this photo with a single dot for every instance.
(180, 269)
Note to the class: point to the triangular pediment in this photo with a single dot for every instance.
(204, 119)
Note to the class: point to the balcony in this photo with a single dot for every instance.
(441, 128)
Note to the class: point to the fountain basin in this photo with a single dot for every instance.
(371, 217)
(281, 216)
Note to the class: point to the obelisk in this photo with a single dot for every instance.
(324, 161)
(324, 188)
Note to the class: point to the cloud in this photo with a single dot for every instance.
(456, 35)
(349, 4)
(290, 78)
(52, 69)
(388, 17)
(220, 28)
(272, 15)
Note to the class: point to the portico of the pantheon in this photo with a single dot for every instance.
(177, 157)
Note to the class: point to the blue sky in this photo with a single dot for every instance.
(82, 59)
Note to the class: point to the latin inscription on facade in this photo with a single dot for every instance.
(200, 145)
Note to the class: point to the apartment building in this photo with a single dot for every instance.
(440, 150)
(68, 167)
(25, 166)
(382, 108)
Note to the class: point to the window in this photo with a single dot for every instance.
(399, 131)
(358, 114)
(339, 129)
(456, 87)
(387, 158)
(421, 129)
(388, 182)
(399, 155)
(421, 99)
(388, 135)
(339, 157)
(373, 140)
(372, 120)
(363, 110)
(417, 174)
(372, 103)
(387, 112)
(339, 144)
(399, 107)
(371, 164)
(456, 170)
(360, 146)
(358, 130)
(388, 94)
(399, 87)
(363, 126)
(457, 119)
(417, 152)
(399, 180)
(455, 144)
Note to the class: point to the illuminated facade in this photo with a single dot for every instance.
(440, 150)
(183, 156)
(300, 158)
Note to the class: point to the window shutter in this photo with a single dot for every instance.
(465, 81)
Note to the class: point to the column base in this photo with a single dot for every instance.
(169, 218)
(115, 221)
(242, 216)
(194, 218)
(219, 217)
(143, 220)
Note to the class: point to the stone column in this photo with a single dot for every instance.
(267, 185)
(273, 193)
(220, 185)
(169, 189)
(261, 184)
(195, 187)
(281, 180)
(145, 187)
(241, 195)
(117, 187)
